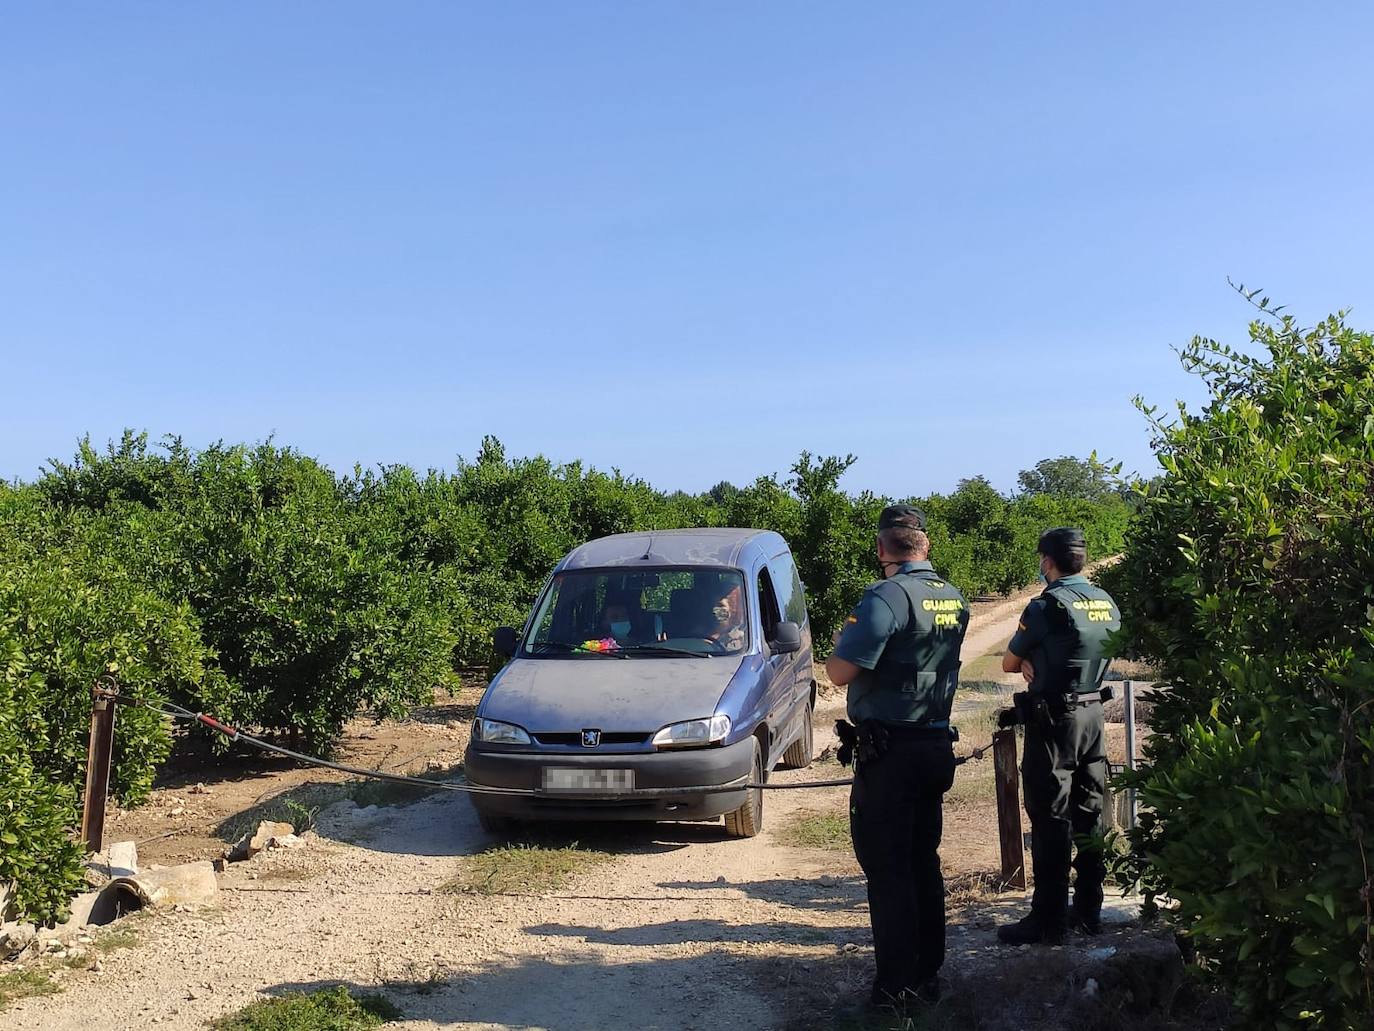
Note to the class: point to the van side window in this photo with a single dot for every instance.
(791, 599)
(768, 605)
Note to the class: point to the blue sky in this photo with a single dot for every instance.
(684, 240)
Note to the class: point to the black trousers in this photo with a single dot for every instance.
(1064, 773)
(895, 820)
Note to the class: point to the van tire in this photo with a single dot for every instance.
(747, 820)
(801, 751)
(494, 824)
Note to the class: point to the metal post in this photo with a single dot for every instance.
(1009, 808)
(1130, 750)
(98, 769)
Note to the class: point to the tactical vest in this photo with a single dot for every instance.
(1081, 617)
(915, 679)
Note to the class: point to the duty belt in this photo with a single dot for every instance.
(933, 730)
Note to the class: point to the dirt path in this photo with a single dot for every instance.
(681, 929)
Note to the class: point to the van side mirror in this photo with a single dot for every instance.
(786, 638)
(504, 639)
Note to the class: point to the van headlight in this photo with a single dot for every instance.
(494, 732)
(693, 733)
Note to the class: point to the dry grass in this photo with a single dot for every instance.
(824, 830)
(525, 868)
(977, 888)
(26, 984)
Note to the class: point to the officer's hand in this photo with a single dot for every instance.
(844, 730)
(1027, 670)
(1007, 718)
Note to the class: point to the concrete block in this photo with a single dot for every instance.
(188, 884)
(251, 844)
(123, 859)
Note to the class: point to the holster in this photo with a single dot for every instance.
(872, 742)
(1027, 709)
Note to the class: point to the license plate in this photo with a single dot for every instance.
(558, 778)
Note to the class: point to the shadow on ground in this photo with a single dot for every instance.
(824, 893)
(572, 990)
(444, 824)
(684, 932)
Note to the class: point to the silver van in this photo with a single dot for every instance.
(652, 661)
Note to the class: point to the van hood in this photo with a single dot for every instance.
(613, 695)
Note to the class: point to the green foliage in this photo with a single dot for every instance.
(329, 1009)
(37, 853)
(304, 597)
(1069, 477)
(253, 583)
(70, 613)
(1249, 582)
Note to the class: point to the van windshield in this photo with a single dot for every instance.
(647, 613)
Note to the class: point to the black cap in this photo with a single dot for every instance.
(1063, 543)
(905, 516)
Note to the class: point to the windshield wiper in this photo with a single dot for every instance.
(659, 649)
(579, 648)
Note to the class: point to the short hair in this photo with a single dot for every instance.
(904, 540)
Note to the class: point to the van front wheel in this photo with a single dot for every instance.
(747, 820)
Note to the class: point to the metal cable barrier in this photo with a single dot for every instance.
(176, 712)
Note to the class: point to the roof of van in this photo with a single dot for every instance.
(714, 546)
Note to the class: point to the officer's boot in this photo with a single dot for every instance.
(1032, 929)
(1086, 913)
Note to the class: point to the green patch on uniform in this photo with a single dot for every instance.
(330, 1009)
(810, 829)
(525, 868)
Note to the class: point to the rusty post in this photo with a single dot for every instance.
(98, 756)
(1009, 808)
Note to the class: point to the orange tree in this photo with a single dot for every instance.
(1249, 581)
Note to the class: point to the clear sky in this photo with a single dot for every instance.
(685, 240)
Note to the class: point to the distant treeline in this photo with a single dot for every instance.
(254, 583)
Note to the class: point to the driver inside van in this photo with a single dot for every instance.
(727, 617)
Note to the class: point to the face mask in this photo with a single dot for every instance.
(620, 628)
(721, 612)
(1043, 578)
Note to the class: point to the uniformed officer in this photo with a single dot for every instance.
(1060, 647)
(898, 653)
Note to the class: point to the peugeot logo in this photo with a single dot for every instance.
(591, 738)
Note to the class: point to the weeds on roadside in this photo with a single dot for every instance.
(330, 1009)
(25, 984)
(526, 867)
(810, 829)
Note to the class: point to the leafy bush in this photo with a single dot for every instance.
(70, 614)
(1247, 581)
(305, 598)
(252, 583)
(37, 853)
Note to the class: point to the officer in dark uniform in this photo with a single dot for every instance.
(898, 653)
(1060, 647)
